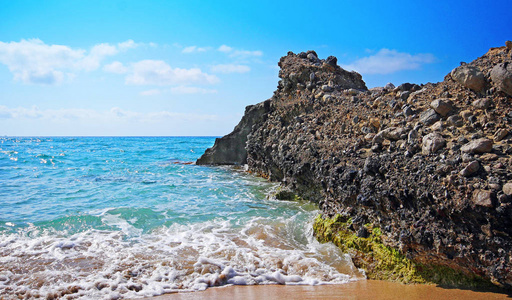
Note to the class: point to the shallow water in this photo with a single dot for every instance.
(86, 217)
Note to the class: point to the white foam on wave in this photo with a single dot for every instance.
(118, 264)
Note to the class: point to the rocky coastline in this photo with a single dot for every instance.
(414, 181)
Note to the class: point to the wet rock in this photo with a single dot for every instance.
(482, 198)
(481, 145)
(501, 76)
(470, 77)
(470, 169)
(431, 143)
(429, 117)
(442, 106)
(362, 232)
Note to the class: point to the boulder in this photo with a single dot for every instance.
(470, 77)
(432, 142)
(429, 117)
(442, 106)
(482, 145)
(501, 76)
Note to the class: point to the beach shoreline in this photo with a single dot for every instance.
(361, 289)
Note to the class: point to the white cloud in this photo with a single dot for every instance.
(157, 72)
(115, 67)
(230, 68)
(191, 90)
(192, 49)
(387, 61)
(129, 44)
(153, 92)
(245, 53)
(90, 115)
(225, 49)
(239, 53)
(33, 61)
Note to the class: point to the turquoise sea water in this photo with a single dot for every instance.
(123, 217)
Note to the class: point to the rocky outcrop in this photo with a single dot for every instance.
(230, 149)
(416, 176)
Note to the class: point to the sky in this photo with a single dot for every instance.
(189, 68)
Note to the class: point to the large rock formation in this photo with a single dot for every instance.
(414, 181)
(230, 149)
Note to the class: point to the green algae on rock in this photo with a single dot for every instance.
(381, 262)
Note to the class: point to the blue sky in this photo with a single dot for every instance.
(166, 68)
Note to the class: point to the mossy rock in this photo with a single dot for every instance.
(283, 193)
(385, 263)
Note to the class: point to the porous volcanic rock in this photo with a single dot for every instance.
(360, 155)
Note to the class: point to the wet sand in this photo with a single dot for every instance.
(364, 289)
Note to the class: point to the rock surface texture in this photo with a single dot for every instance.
(413, 174)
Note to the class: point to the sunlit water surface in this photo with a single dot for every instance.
(101, 217)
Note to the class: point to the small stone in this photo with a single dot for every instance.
(375, 122)
(489, 157)
(327, 97)
(312, 57)
(442, 106)
(407, 111)
(404, 95)
(482, 198)
(470, 169)
(438, 126)
(507, 188)
(500, 134)
(431, 143)
(508, 44)
(482, 145)
(412, 137)
(326, 88)
(465, 114)
(362, 232)
(482, 103)
(312, 76)
(455, 121)
(429, 117)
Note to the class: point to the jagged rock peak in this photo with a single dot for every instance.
(306, 71)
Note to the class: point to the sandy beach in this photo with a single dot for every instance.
(364, 289)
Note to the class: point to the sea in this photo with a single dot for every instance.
(134, 217)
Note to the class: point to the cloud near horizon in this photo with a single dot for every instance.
(387, 61)
(34, 62)
(73, 114)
